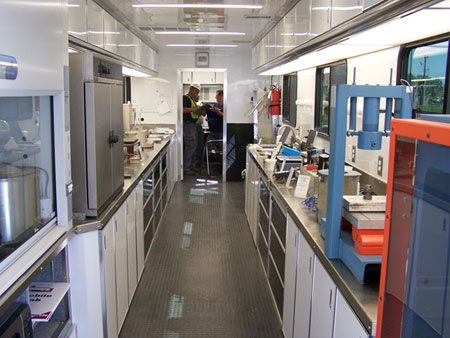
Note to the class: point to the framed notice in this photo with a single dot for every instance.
(202, 59)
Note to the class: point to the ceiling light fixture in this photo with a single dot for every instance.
(199, 5)
(198, 45)
(197, 33)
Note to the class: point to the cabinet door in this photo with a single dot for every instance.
(131, 245)
(347, 325)
(187, 77)
(204, 77)
(219, 77)
(305, 271)
(140, 229)
(290, 274)
(323, 301)
(343, 10)
(121, 264)
(320, 16)
(109, 278)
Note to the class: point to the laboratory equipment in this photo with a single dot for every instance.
(369, 138)
(96, 119)
(414, 289)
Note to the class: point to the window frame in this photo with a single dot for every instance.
(285, 99)
(318, 85)
(403, 61)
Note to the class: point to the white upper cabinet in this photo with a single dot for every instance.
(95, 24)
(187, 77)
(110, 33)
(370, 3)
(320, 16)
(219, 77)
(77, 19)
(33, 45)
(343, 10)
(204, 77)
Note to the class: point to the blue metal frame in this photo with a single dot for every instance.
(369, 138)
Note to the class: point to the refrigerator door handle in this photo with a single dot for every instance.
(113, 138)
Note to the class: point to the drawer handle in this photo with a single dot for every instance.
(331, 296)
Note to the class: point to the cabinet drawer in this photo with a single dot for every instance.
(264, 195)
(262, 248)
(148, 187)
(164, 180)
(157, 215)
(279, 222)
(157, 193)
(263, 221)
(148, 210)
(148, 237)
(277, 253)
(157, 173)
(276, 287)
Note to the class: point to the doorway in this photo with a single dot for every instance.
(211, 80)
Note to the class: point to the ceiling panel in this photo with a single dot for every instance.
(253, 22)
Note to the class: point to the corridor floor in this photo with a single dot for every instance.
(203, 277)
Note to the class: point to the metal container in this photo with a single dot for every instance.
(19, 192)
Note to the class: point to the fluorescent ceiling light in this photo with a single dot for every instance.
(199, 5)
(133, 72)
(198, 45)
(198, 33)
(94, 32)
(280, 46)
(73, 5)
(294, 34)
(104, 32)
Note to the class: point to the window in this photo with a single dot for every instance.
(426, 70)
(289, 98)
(326, 77)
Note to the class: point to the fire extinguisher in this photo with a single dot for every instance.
(275, 101)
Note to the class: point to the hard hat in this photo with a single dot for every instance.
(196, 86)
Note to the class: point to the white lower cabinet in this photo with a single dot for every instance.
(108, 259)
(323, 301)
(347, 324)
(313, 306)
(305, 271)
(140, 229)
(131, 245)
(290, 273)
(121, 265)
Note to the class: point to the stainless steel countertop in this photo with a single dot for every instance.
(362, 298)
(136, 171)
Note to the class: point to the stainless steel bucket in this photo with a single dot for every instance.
(19, 197)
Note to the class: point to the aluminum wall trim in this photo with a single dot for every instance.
(374, 16)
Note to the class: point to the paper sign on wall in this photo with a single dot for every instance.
(301, 190)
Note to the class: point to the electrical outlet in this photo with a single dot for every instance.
(380, 166)
(353, 154)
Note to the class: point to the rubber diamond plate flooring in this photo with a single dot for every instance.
(203, 277)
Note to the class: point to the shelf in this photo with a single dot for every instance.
(44, 298)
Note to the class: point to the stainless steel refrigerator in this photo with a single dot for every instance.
(96, 132)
